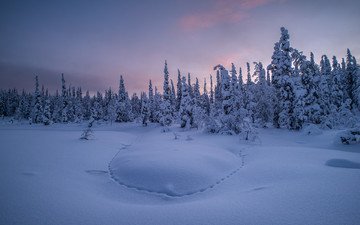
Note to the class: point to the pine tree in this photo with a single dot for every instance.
(211, 91)
(173, 96)
(151, 104)
(205, 101)
(135, 105)
(186, 106)
(123, 108)
(310, 80)
(37, 112)
(144, 109)
(262, 109)
(47, 120)
(190, 86)
(325, 86)
(283, 87)
(178, 91)
(166, 108)
(64, 99)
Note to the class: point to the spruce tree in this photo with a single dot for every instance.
(37, 112)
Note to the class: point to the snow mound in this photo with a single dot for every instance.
(312, 129)
(173, 172)
(343, 163)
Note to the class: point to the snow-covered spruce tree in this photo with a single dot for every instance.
(186, 106)
(262, 95)
(281, 70)
(64, 99)
(205, 101)
(242, 90)
(299, 116)
(87, 106)
(78, 106)
(23, 109)
(190, 88)
(249, 96)
(227, 111)
(97, 109)
(135, 105)
(178, 92)
(236, 92)
(325, 85)
(123, 108)
(235, 88)
(70, 104)
(216, 109)
(157, 106)
(351, 78)
(173, 96)
(199, 111)
(340, 105)
(211, 91)
(166, 107)
(111, 107)
(37, 109)
(11, 103)
(337, 94)
(144, 109)
(310, 81)
(56, 105)
(47, 120)
(151, 104)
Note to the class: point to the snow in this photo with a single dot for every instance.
(174, 170)
(49, 176)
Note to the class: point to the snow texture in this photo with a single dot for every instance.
(49, 176)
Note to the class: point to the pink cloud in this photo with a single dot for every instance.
(223, 11)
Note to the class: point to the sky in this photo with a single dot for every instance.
(93, 42)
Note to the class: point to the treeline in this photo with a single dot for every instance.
(291, 92)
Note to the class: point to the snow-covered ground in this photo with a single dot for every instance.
(129, 174)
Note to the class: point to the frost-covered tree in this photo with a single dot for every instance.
(178, 91)
(211, 91)
(310, 81)
(186, 106)
(144, 109)
(123, 108)
(47, 120)
(166, 118)
(262, 95)
(151, 104)
(281, 70)
(135, 105)
(64, 107)
(37, 109)
(205, 101)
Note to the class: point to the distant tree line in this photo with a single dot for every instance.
(291, 92)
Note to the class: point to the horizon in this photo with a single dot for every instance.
(94, 43)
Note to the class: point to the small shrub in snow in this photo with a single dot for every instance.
(86, 135)
(351, 136)
(248, 132)
(312, 129)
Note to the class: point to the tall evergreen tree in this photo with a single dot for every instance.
(166, 107)
(37, 112)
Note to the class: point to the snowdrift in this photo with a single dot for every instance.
(171, 171)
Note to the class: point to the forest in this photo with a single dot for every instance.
(292, 92)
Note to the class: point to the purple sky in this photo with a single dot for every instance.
(92, 42)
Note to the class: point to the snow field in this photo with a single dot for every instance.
(49, 176)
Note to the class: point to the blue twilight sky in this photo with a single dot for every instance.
(94, 41)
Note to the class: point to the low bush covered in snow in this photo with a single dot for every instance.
(351, 136)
